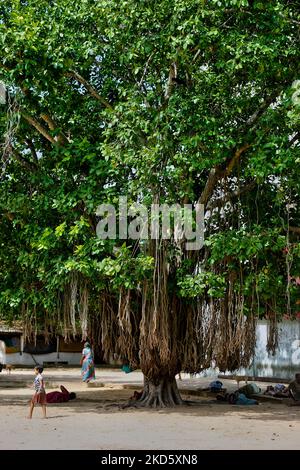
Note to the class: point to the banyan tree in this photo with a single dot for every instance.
(188, 103)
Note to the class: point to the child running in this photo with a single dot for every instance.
(40, 392)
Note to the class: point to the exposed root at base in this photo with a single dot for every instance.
(137, 404)
(161, 394)
(142, 405)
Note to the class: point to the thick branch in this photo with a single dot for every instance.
(32, 149)
(171, 80)
(49, 121)
(38, 127)
(217, 173)
(228, 197)
(89, 88)
(211, 182)
(235, 159)
(61, 138)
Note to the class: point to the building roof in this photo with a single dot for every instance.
(14, 327)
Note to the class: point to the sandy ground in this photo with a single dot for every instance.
(90, 422)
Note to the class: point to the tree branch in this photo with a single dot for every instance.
(89, 88)
(263, 107)
(228, 197)
(61, 138)
(260, 110)
(235, 159)
(145, 68)
(211, 182)
(32, 148)
(49, 121)
(294, 229)
(171, 80)
(38, 127)
(289, 20)
(20, 158)
(217, 173)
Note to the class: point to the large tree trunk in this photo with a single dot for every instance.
(160, 393)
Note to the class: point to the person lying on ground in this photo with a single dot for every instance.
(60, 397)
(294, 388)
(278, 391)
(236, 398)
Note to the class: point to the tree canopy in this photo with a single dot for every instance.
(159, 101)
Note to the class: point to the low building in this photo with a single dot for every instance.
(15, 351)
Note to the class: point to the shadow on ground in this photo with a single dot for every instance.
(106, 401)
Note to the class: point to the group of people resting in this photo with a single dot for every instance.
(291, 391)
(247, 394)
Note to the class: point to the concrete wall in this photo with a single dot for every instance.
(286, 362)
(26, 359)
(283, 365)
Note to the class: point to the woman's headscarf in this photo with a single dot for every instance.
(87, 345)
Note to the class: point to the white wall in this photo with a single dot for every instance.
(2, 352)
(26, 359)
(286, 361)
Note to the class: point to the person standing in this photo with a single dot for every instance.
(87, 363)
(40, 393)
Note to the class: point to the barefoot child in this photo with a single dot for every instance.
(40, 393)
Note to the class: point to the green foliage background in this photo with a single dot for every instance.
(96, 113)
